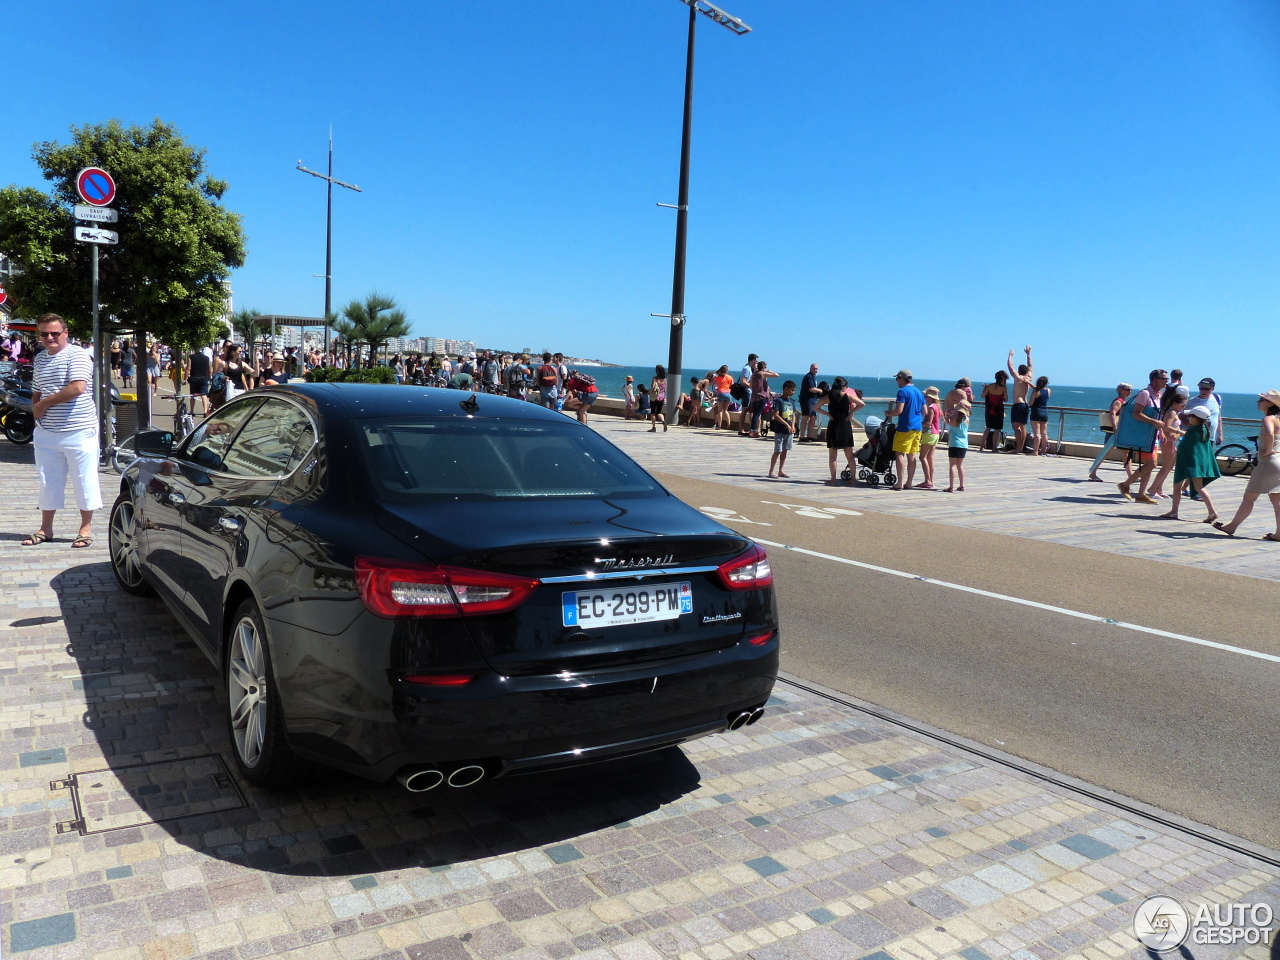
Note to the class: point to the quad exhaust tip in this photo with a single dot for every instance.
(743, 718)
(420, 779)
(466, 776)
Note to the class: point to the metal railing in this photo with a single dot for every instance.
(1233, 428)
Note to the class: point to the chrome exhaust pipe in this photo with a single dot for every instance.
(756, 714)
(420, 779)
(739, 719)
(466, 776)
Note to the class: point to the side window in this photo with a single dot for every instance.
(208, 443)
(272, 443)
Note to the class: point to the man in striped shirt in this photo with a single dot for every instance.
(66, 438)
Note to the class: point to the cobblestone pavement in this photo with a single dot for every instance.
(1043, 498)
(821, 832)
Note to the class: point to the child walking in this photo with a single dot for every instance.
(932, 424)
(786, 415)
(629, 395)
(1195, 464)
(957, 445)
(642, 401)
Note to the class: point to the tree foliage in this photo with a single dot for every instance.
(373, 320)
(242, 324)
(178, 243)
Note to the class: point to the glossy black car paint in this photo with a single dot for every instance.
(543, 695)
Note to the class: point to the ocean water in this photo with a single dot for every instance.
(1081, 427)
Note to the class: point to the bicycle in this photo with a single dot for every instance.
(183, 421)
(1237, 457)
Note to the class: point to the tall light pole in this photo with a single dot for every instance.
(675, 355)
(328, 236)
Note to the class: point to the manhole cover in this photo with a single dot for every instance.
(113, 799)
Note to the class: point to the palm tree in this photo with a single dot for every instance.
(243, 326)
(375, 320)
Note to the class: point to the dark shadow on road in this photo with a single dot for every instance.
(166, 749)
(1091, 501)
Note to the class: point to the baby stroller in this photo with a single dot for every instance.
(875, 457)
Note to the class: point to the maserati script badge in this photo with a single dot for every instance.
(610, 564)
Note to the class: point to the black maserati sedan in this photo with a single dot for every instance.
(441, 587)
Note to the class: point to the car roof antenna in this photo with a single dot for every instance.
(471, 405)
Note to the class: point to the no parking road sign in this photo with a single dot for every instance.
(95, 186)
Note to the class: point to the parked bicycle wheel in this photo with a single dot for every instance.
(1235, 458)
(123, 454)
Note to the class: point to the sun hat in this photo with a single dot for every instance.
(1271, 395)
(277, 356)
(630, 378)
(931, 392)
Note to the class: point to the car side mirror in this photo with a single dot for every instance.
(153, 443)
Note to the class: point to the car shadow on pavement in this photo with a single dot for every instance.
(160, 765)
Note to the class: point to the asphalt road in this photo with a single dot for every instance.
(1184, 727)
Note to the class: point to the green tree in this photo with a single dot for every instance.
(178, 243)
(375, 320)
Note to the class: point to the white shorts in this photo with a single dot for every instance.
(63, 452)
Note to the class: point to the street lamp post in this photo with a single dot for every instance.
(675, 355)
(328, 236)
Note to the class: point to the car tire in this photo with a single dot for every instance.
(255, 721)
(122, 543)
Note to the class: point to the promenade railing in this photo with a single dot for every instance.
(1083, 422)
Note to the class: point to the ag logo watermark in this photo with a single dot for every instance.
(1162, 924)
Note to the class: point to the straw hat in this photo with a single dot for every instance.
(1270, 395)
(931, 392)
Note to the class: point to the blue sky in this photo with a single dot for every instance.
(874, 185)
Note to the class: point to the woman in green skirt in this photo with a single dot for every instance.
(1196, 464)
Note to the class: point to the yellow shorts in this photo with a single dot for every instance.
(906, 441)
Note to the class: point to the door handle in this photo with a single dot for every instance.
(176, 498)
(230, 524)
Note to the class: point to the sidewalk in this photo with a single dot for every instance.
(1042, 498)
(821, 833)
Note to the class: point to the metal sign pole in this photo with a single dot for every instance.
(101, 367)
(675, 354)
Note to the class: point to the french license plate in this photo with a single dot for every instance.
(622, 605)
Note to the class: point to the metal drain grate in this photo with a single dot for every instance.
(121, 797)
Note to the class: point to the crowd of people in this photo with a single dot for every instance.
(1166, 433)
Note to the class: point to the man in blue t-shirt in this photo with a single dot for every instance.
(908, 407)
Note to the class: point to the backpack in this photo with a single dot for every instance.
(546, 375)
(219, 383)
(589, 381)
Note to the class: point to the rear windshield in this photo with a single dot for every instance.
(464, 459)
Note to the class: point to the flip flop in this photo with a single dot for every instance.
(36, 539)
(1219, 525)
(1272, 537)
(1168, 516)
(79, 543)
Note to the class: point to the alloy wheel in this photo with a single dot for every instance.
(247, 691)
(123, 543)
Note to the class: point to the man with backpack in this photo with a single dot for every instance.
(548, 383)
(516, 375)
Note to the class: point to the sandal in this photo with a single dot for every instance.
(1219, 525)
(1169, 516)
(1209, 519)
(1272, 537)
(80, 542)
(36, 539)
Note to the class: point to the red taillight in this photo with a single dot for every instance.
(440, 679)
(393, 588)
(762, 639)
(747, 571)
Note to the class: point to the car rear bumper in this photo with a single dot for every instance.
(526, 724)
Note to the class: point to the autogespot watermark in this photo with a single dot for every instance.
(1162, 923)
